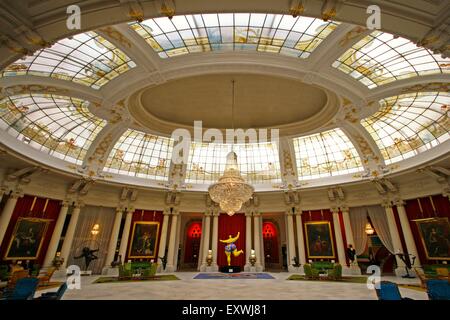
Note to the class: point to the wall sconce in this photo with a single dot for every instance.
(95, 229)
(369, 229)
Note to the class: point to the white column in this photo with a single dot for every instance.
(407, 234)
(68, 238)
(300, 238)
(215, 238)
(56, 236)
(257, 241)
(396, 243)
(206, 240)
(163, 239)
(172, 238)
(126, 234)
(248, 238)
(261, 243)
(347, 226)
(112, 246)
(200, 253)
(339, 239)
(7, 212)
(291, 239)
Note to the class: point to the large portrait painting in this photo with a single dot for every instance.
(435, 234)
(144, 240)
(26, 240)
(319, 239)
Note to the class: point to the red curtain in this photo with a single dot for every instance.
(231, 225)
(25, 208)
(413, 212)
(192, 243)
(318, 215)
(270, 237)
(146, 215)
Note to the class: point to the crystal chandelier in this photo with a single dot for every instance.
(231, 191)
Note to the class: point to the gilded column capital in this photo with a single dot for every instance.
(399, 203)
(130, 210)
(65, 203)
(248, 213)
(334, 210)
(298, 211)
(386, 204)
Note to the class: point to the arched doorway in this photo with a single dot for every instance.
(193, 236)
(271, 246)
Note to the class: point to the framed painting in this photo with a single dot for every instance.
(319, 239)
(435, 236)
(26, 239)
(144, 239)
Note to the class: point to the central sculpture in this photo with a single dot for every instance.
(231, 247)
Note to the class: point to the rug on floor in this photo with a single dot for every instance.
(242, 275)
(164, 277)
(343, 279)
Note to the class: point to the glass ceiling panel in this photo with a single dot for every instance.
(275, 33)
(60, 126)
(409, 124)
(325, 154)
(381, 58)
(86, 58)
(141, 155)
(258, 162)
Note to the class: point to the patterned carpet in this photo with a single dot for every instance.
(240, 276)
(343, 279)
(166, 277)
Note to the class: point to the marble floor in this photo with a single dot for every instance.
(250, 289)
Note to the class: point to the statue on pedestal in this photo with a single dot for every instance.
(351, 253)
(231, 247)
(88, 255)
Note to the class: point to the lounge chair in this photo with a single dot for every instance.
(57, 295)
(438, 289)
(389, 291)
(16, 276)
(45, 276)
(23, 290)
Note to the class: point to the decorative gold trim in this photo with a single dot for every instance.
(47, 222)
(331, 239)
(132, 237)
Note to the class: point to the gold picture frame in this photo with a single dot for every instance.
(434, 242)
(144, 240)
(319, 240)
(27, 239)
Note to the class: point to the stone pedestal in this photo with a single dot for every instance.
(60, 274)
(351, 271)
(251, 269)
(210, 269)
(110, 271)
(293, 269)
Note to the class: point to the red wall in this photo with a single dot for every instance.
(231, 225)
(319, 215)
(146, 215)
(22, 209)
(413, 212)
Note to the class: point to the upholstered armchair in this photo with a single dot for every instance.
(310, 272)
(336, 272)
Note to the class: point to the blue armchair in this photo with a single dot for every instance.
(57, 295)
(23, 290)
(438, 289)
(389, 291)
